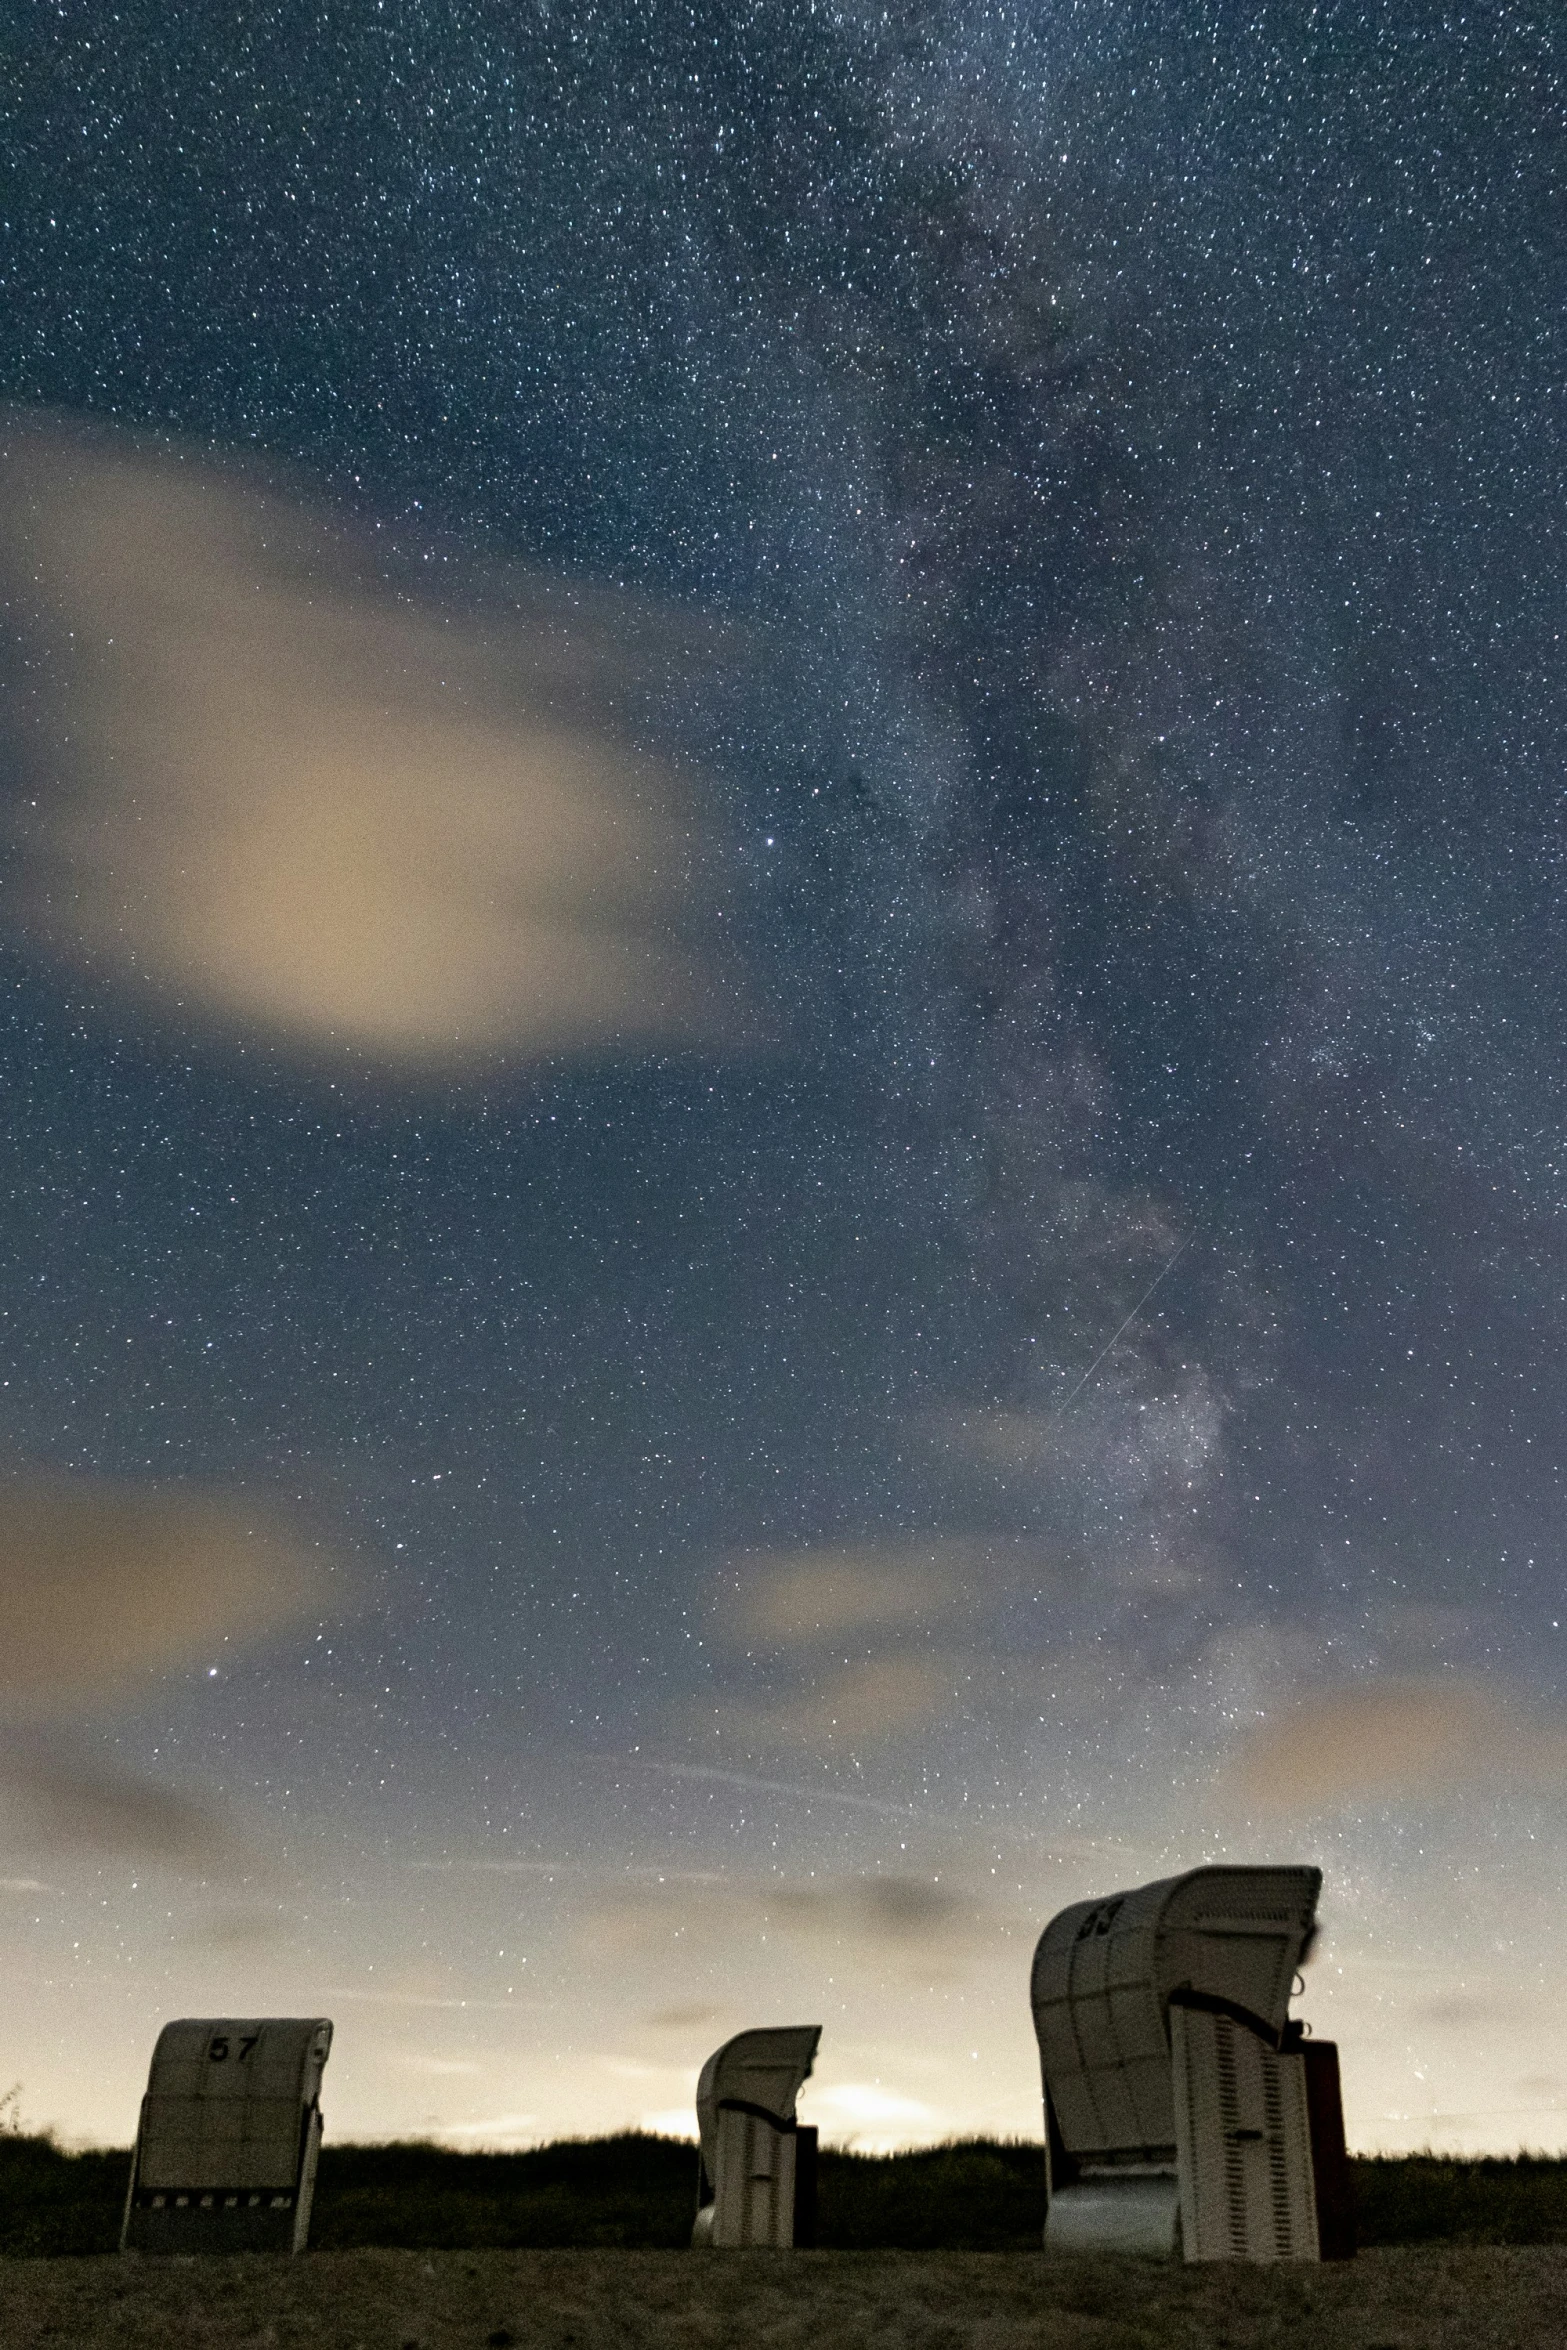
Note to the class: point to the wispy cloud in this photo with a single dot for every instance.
(890, 1911)
(796, 1597)
(795, 1790)
(886, 1697)
(419, 1999)
(281, 790)
(549, 1869)
(55, 1799)
(101, 1582)
(1397, 1738)
(894, 1917)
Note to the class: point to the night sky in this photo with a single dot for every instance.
(782, 970)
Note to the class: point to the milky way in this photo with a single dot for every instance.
(1049, 1370)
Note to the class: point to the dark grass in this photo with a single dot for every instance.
(640, 2192)
(1431, 2199)
(636, 2192)
(52, 2202)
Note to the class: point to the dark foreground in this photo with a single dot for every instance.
(1481, 2298)
(636, 2193)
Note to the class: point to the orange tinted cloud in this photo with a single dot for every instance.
(1397, 1737)
(885, 1697)
(792, 1598)
(307, 806)
(101, 1583)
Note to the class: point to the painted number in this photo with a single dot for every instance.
(218, 2047)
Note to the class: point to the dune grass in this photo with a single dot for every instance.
(635, 2192)
(579, 2246)
(1442, 2298)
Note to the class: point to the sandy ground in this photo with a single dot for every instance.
(1484, 2299)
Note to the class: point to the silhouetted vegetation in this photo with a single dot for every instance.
(1434, 2199)
(582, 2192)
(639, 2192)
(52, 2202)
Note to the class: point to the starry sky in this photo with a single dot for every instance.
(782, 965)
